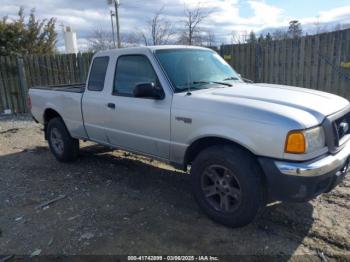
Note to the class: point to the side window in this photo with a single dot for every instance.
(98, 73)
(130, 71)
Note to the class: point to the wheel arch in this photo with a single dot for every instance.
(49, 114)
(205, 142)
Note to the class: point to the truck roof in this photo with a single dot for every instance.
(150, 48)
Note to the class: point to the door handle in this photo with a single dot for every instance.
(111, 105)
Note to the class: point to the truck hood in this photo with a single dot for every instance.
(265, 102)
(312, 101)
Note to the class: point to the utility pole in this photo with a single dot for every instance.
(116, 6)
(112, 14)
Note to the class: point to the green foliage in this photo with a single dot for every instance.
(268, 37)
(261, 38)
(252, 37)
(294, 30)
(18, 37)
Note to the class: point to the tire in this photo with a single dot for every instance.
(62, 145)
(228, 185)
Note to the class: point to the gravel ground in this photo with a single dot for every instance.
(113, 202)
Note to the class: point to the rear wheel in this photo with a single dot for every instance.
(62, 145)
(227, 185)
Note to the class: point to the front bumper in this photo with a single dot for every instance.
(302, 181)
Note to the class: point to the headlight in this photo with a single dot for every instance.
(305, 141)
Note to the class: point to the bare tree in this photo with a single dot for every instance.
(144, 38)
(234, 37)
(100, 40)
(346, 26)
(210, 38)
(324, 29)
(279, 34)
(317, 25)
(103, 40)
(131, 39)
(193, 19)
(337, 27)
(160, 30)
(182, 39)
(239, 37)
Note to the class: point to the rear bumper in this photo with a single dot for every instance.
(302, 181)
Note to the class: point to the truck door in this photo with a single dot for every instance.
(137, 124)
(93, 101)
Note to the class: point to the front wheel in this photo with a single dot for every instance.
(62, 145)
(228, 185)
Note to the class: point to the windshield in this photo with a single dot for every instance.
(196, 69)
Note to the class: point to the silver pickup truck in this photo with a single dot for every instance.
(243, 144)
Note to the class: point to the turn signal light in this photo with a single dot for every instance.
(295, 143)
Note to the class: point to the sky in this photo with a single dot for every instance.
(241, 16)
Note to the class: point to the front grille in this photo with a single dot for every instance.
(341, 128)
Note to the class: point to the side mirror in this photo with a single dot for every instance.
(148, 90)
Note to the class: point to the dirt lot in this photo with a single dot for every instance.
(113, 202)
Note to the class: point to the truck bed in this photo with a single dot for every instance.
(65, 99)
(73, 88)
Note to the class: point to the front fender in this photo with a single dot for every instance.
(224, 133)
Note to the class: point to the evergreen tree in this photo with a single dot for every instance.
(18, 37)
(279, 34)
(294, 30)
(268, 37)
(261, 38)
(252, 37)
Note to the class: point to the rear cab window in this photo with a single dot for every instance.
(98, 73)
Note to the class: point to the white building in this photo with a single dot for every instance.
(70, 40)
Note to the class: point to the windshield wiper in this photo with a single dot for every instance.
(231, 78)
(211, 82)
(199, 82)
(189, 86)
